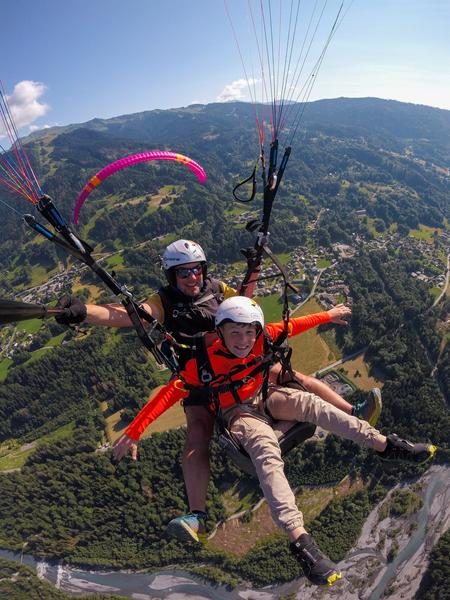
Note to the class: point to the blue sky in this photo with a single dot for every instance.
(74, 60)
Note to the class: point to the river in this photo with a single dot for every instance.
(415, 541)
(402, 574)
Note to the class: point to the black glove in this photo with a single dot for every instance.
(75, 310)
(253, 257)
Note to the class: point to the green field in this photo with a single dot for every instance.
(39, 275)
(310, 351)
(31, 326)
(323, 263)
(435, 291)
(13, 455)
(4, 366)
(52, 343)
(114, 261)
(271, 306)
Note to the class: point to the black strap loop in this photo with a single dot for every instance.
(252, 178)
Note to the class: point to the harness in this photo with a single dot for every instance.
(230, 382)
(191, 315)
(190, 319)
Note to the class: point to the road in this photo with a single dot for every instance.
(447, 278)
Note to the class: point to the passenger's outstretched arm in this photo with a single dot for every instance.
(298, 325)
(164, 399)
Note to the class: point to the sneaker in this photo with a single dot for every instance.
(188, 528)
(402, 450)
(369, 409)
(317, 567)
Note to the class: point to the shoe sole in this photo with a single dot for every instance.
(431, 452)
(331, 579)
(184, 533)
(378, 408)
(326, 580)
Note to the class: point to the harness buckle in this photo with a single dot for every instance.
(205, 376)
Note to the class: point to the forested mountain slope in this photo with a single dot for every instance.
(368, 175)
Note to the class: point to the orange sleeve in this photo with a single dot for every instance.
(298, 325)
(164, 399)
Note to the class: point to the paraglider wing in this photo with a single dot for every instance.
(128, 161)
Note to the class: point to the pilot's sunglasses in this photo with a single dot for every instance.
(184, 272)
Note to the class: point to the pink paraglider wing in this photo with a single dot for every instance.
(128, 161)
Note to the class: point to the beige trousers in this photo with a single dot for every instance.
(261, 444)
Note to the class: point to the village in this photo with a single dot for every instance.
(314, 272)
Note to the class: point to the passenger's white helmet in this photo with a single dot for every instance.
(182, 252)
(239, 309)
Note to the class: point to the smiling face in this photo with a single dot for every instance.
(189, 279)
(239, 338)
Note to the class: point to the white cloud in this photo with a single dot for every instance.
(25, 104)
(37, 127)
(237, 90)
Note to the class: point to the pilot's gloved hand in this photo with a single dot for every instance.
(75, 310)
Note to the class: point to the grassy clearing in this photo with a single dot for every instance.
(57, 340)
(4, 366)
(310, 350)
(284, 258)
(52, 343)
(238, 538)
(424, 233)
(435, 291)
(271, 306)
(93, 290)
(164, 198)
(37, 355)
(329, 337)
(40, 274)
(16, 459)
(31, 326)
(171, 419)
(240, 496)
(99, 211)
(371, 228)
(238, 210)
(358, 372)
(115, 261)
(323, 263)
(13, 455)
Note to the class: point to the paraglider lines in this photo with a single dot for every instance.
(14, 163)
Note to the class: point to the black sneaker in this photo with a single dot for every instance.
(317, 567)
(402, 450)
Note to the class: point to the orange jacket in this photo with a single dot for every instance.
(222, 362)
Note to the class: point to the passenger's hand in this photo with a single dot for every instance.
(75, 310)
(121, 447)
(134, 451)
(338, 314)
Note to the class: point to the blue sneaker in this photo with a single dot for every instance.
(369, 409)
(188, 528)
